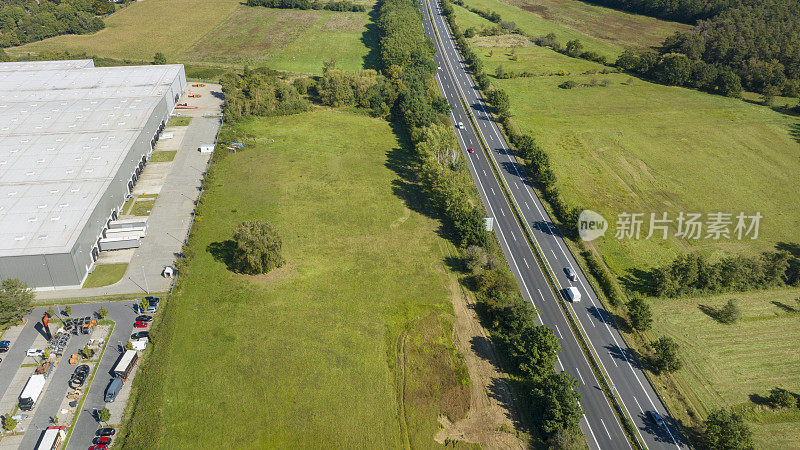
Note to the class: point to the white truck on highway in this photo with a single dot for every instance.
(573, 294)
(31, 392)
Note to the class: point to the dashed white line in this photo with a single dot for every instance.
(526, 263)
(604, 426)
(554, 253)
(637, 404)
(484, 173)
(579, 375)
(591, 431)
(492, 189)
(559, 332)
(526, 205)
(613, 359)
(502, 212)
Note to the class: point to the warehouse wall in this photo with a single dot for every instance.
(69, 270)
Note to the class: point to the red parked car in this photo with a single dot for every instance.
(99, 447)
(140, 324)
(102, 440)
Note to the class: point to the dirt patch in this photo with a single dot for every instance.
(492, 420)
(504, 40)
(345, 21)
(540, 10)
(280, 273)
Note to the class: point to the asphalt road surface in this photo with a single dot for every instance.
(600, 426)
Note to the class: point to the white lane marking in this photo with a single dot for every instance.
(612, 359)
(579, 375)
(640, 406)
(484, 173)
(559, 363)
(492, 191)
(526, 205)
(554, 253)
(526, 263)
(604, 426)
(512, 235)
(559, 332)
(591, 431)
(502, 212)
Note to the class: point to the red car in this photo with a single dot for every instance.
(102, 440)
(140, 324)
(99, 447)
(471, 150)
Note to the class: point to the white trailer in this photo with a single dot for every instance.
(133, 222)
(206, 149)
(52, 438)
(31, 392)
(119, 243)
(117, 232)
(573, 294)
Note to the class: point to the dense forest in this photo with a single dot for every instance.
(23, 21)
(739, 44)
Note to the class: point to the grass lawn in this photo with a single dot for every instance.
(730, 365)
(286, 39)
(208, 36)
(179, 121)
(636, 146)
(142, 207)
(310, 355)
(163, 156)
(141, 29)
(105, 274)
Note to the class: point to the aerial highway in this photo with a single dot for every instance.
(600, 425)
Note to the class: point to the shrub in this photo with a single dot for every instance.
(726, 430)
(639, 311)
(258, 247)
(781, 398)
(569, 84)
(730, 313)
(9, 423)
(665, 355)
(475, 258)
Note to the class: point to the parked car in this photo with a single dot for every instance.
(99, 447)
(4, 346)
(102, 440)
(107, 431)
(79, 376)
(656, 417)
(140, 324)
(153, 300)
(35, 352)
(144, 318)
(570, 273)
(151, 309)
(140, 335)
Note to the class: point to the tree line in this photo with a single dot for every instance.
(260, 92)
(337, 5)
(740, 44)
(693, 274)
(23, 21)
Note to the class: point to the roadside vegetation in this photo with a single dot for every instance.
(646, 147)
(105, 275)
(15, 301)
(24, 21)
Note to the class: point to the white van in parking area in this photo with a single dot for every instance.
(573, 294)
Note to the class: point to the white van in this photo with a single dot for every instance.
(573, 294)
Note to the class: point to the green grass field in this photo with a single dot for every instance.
(724, 365)
(636, 146)
(309, 355)
(224, 34)
(163, 156)
(179, 121)
(105, 275)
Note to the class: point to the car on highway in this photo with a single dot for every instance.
(140, 324)
(140, 335)
(460, 125)
(35, 352)
(573, 294)
(570, 273)
(4, 346)
(144, 318)
(107, 431)
(79, 376)
(656, 418)
(471, 150)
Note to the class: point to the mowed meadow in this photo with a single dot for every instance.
(737, 365)
(224, 34)
(311, 354)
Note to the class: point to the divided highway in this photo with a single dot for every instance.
(600, 424)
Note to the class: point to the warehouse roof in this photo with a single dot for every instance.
(65, 129)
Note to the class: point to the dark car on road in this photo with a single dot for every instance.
(107, 431)
(140, 335)
(79, 376)
(656, 417)
(4, 346)
(144, 318)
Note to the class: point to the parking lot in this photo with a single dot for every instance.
(53, 401)
(177, 184)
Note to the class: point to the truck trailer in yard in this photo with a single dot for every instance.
(31, 392)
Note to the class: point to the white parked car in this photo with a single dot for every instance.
(35, 352)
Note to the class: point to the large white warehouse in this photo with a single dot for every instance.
(73, 140)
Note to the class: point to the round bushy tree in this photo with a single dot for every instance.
(258, 247)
